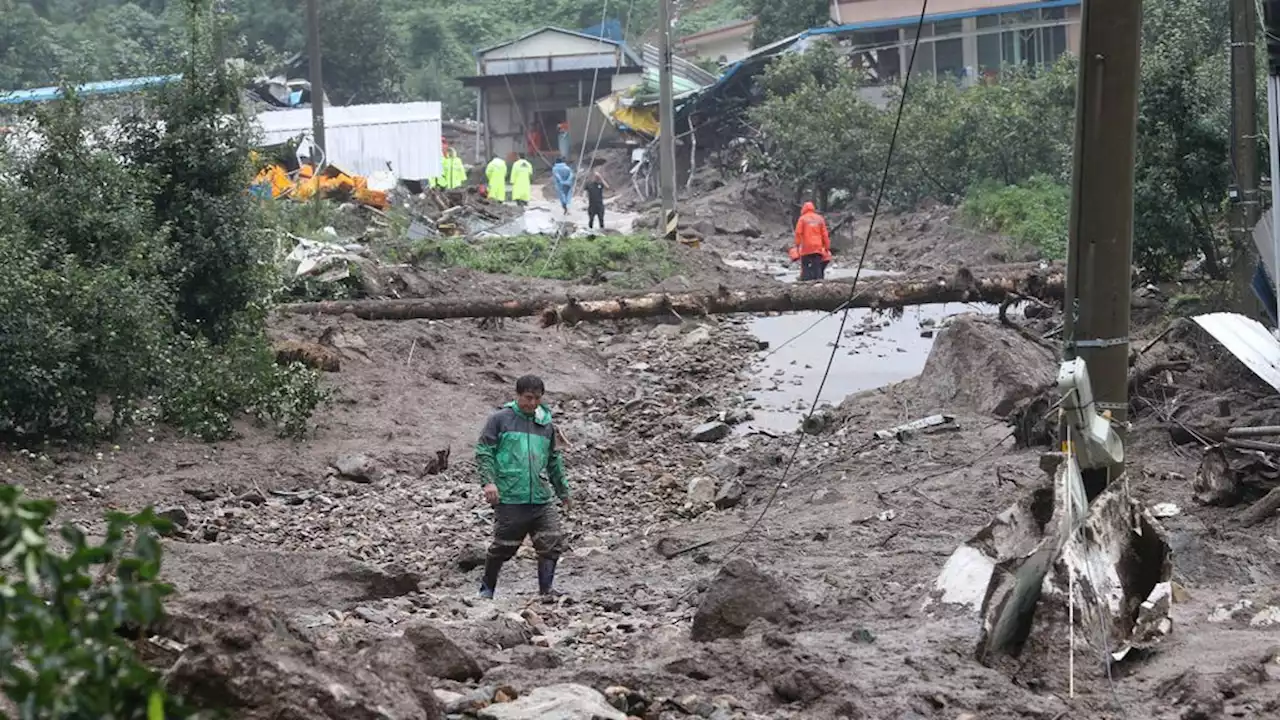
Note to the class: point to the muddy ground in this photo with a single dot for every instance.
(309, 592)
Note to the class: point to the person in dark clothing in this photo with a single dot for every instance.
(522, 472)
(595, 200)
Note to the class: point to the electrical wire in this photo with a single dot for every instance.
(875, 212)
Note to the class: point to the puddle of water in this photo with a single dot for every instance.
(546, 217)
(873, 352)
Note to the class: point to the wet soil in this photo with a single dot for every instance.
(297, 577)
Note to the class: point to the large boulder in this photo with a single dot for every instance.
(556, 702)
(241, 656)
(739, 595)
(978, 364)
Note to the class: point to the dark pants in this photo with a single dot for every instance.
(593, 212)
(812, 267)
(512, 523)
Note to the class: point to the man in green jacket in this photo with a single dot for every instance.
(523, 474)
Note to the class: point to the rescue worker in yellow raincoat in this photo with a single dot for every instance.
(496, 173)
(521, 181)
(453, 172)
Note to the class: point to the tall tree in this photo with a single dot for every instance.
(777, 19)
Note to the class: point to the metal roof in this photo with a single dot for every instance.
(1248, 340)
(551, 28)
(107, 87)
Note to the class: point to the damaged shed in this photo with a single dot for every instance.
(530, 85)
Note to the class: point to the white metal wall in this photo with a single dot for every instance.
(365, 139)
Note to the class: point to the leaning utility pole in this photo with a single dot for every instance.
(317, 80)
(1100, 236)
(1245, 206)
(666, 127)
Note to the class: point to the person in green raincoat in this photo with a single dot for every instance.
(496, 173)
(521, 181)
(453, 172)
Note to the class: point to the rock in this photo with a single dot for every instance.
(697, 336)
(737, 416)
(803, 685)
(447, 698)
(357, 468)
(471, 557)
(535, 658)
(438, 656)
(313, 355)
(371, 615)
(729, 495)
(978, 364)
(202, 494)
(739, 594)
(556, 702)
(702, 491)
(694, 668)
(724, 468)
(176, 515)
(710, 432)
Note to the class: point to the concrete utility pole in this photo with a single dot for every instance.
(1245, 205)
(1100, 246)
(667, 124)
(317, 79)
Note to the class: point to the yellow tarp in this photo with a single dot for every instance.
(331, 183)
(639, 119)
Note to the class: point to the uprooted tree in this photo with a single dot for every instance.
(134, 279)
(995, 285)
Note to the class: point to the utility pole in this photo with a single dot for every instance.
(1245, 206)
(317, 79)
(667, 127)
(1100, 236)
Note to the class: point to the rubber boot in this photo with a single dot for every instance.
(489, 584)
(547, 578)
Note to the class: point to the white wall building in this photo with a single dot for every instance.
(403, 138)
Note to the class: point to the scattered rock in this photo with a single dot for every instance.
(737, 416)
(535, 658)
(202, 494)
(739, 594)
(729, 495)
(556, 702)
(803, 685)
(697, 336)
(702, 491)
(471, 557)
(357, 468)
(313, 355)
(710, 432)
(724, 468)
(176, 515)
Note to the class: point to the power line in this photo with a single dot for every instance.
(875, 212)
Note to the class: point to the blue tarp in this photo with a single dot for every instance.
(609, 30)
(45, 94)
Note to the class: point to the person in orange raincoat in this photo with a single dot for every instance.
(813, 243)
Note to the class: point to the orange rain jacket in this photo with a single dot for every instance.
(811, 233)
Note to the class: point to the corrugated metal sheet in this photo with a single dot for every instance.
(363, 139)
(1248, 340)
(106, 87)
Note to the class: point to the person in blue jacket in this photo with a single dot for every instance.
(562, 175)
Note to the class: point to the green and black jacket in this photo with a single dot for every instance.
(517, 452)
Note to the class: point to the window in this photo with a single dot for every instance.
(923, 62)
(988, 44)
(949, 54)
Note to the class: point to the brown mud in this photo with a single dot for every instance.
(337, 577)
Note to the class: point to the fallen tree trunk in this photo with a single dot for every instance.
(882, 293)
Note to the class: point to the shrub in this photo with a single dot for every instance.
(637, 260)
(1033, 213)
(62, 654)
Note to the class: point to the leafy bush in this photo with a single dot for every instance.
(133, 273)
(61, 655)
(1034, 213)
(637, 259)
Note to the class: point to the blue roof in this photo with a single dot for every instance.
(609, 30)
(107, 87)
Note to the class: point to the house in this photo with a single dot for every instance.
(724, 45)
(969, 39)
(530, 85)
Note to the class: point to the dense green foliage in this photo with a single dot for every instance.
(1033, 213)
(822, 139)
(134, 276)
(622, 260)
(778, 19)
(372, 51)
(60, 653)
